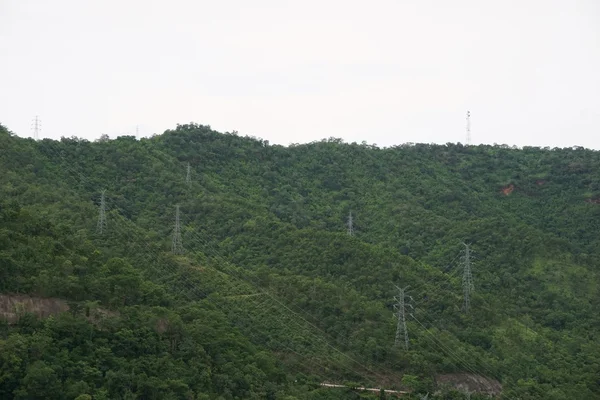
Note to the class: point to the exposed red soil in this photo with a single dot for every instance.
(508, 189)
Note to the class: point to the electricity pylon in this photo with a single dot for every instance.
(101, 227)
(350, 224)
(176, 243)
(467, 279)
(36, 126)
(468, 128)
(188, 176)
(400, 308)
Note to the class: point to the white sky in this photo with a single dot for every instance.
(386, 72)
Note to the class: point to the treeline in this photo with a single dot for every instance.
(272, 296)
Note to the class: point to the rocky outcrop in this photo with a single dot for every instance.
(15, 305)
(470, 383)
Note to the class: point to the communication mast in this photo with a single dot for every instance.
(468, 128)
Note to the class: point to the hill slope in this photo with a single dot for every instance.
(271, 295)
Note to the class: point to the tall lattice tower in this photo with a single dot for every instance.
(468, 127)
(350, 224)
(188, 175)
(101, 227)
(467, 279)
(36, 127)
(400, 308)
(176, 242)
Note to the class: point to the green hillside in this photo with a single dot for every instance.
(271, 296)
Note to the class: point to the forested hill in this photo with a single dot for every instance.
(265, 294)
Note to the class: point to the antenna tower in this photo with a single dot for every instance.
(101, 227)
(400, 308)
(188, 176)
(468, 127)
(350, 224)
(36, 126)
(467, 280)
(176, 244)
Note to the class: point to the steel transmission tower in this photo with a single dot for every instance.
(467, 279)
(400, 308)
(468, 127)
(176, 244)
(188, 175)
(101, 227)
(350, 224)
(36, 126)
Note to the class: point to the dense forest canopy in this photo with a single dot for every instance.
(271, 295)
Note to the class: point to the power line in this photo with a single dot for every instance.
(447, 350)
(293, 316)
(193, 288)
(287, 325)
(474, 362)
(444, 272)
(467, 365)
(424, 287)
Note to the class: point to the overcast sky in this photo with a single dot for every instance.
(386, 72)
